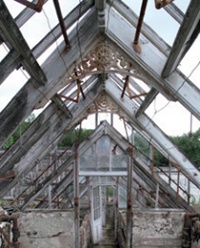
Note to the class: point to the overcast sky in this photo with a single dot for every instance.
(173, 119)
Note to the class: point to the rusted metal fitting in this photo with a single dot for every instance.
(162, 3)
(37, 7)
(16, 234)
(76, 201)
(129, 204)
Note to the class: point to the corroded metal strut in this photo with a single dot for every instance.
(37, 7)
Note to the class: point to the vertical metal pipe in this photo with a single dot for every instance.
(139, 25)
(178, 181)
(152, 159)
(96, 119)
(116, 207)
(157, 195)
(188, 191)
(129, 200)
(76, 198)
(62, 24)
(170, 173)
(49, 197)
(111, 119)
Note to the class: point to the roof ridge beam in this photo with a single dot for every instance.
(101, 5)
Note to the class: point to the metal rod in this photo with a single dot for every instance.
(125, 85)
(37, 7)
(152, 159)
(61, 21)
(129, 200)
(188, 191)
(15, 230)
(140, 21)
(178, 181)
(76, 198)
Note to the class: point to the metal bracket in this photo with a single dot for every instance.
(37, 7)
(162, 3)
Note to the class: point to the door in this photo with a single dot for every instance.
(96, 214)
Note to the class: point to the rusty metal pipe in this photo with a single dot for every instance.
(37, 7)
(15, 229)
(121, 238)
(139, 25)
(61, 21)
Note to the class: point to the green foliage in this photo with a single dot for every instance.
(110, 191)
(20, 130)
(189, 144)
(159, 159)
(75, 137)
(142, 145)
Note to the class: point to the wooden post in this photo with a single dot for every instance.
(157, 195)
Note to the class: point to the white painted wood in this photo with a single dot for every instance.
(144, 124)
(96, 210)
(103, 173)
(151, 62)
(179, 49)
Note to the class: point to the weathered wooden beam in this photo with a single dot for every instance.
(150, 64)
(69, 20)
(57, 127)
(36, 147)
(132, 18)
(47, 181)
(57, 189)
(180, 46)
(175, 12)
(141, 171)
(101, 5)
(32, 95)
(16, 152)
(25, 15)
(148, 100)
(12, 36)
(145, 124)
(12, 61)
(132, 82)
(82, 148)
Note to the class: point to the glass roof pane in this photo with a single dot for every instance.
(167, 114)
(14, 7)
(11, 86)
(190, 64)
(39, 24)
(183, 5)
(4, 50)
(159, 20)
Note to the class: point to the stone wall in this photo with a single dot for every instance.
(46, 229)
(157, 228)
